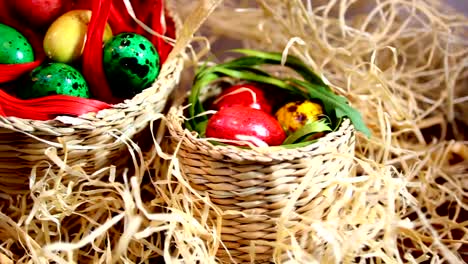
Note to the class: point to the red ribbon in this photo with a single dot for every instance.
(93, 69)
(47, 107)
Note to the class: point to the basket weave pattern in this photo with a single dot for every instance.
(93, 140)
(258, 184)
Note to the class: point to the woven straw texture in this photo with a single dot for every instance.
(92, 141)
(252, 187)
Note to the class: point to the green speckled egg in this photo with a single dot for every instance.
(54, 78)
(131, 64)
(14, 47)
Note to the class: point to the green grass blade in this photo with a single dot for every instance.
(335, 103)
(308, 129)
(291, 61)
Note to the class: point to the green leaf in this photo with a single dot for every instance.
(250, 69)
(201, 128)
(298, 145)
(291, 61)
(252, 76)
(196, 106)
(307, 130)
(334, 103)
(247, 61)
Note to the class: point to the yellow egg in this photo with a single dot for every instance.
(294, 115)
(65, 38)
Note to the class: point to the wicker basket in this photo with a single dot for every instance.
(259, 183)
(93, 140)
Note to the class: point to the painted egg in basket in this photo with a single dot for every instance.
(14, 47)
(131, 64)
(54, 78)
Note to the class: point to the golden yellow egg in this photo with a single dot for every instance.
(294, 115)
(65, 39)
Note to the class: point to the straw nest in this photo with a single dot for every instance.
(401, 63)
(90, 141)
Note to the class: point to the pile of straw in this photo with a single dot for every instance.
(403, 64)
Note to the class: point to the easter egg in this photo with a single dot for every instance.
(54, 78)
(294, 115)
(65, 39)
(243, 94)
(241, 122)
(38, 13)
(131, 64)
(14, 47)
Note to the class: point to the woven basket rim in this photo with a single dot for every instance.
(166, 70)
(176, 130)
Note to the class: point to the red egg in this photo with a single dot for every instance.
(240, 122)
(39, 13)
(243, 94)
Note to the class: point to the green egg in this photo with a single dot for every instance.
(131, 64)
(14, 47)
(54, 78)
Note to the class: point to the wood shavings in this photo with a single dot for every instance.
(401, 63)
